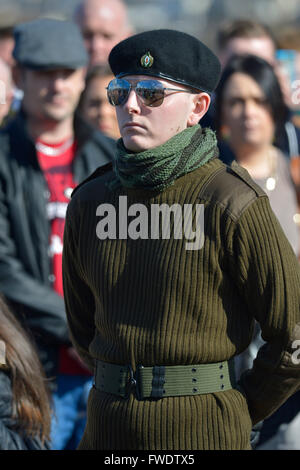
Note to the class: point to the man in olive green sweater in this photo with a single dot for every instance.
(169, 257)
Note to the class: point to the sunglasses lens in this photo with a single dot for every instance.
(118, 91)
(151, 92)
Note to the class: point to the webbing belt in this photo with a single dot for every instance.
(164, 381)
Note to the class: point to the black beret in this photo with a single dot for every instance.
(167, 54)
(48, 43)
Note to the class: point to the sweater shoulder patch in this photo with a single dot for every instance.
(244, 175)
(232, 188)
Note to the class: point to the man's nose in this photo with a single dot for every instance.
(132, 103)
(97, 42)
(58, 81)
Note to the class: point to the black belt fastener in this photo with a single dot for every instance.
(163, 381)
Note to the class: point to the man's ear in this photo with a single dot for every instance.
(201, 103)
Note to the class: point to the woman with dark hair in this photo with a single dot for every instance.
(250, 115)
(94, 106)
(25, 415)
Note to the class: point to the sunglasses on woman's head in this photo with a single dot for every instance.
(151, 92)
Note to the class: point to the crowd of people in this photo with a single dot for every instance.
(62, 122)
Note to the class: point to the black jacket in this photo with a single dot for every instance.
(11, 438)
(25, 265)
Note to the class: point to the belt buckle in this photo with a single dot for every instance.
(133, 382)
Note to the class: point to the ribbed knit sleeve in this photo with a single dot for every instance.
(79, 300)
(268, 277)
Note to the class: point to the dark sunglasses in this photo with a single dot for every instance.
(151, 92)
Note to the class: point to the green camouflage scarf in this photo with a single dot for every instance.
(158, 168)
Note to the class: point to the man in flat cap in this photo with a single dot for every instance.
(44, 153)
(169, 255)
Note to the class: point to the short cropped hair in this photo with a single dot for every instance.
(289, 39)
(243, 28)
(99, 70)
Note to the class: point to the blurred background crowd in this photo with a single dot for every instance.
(199, 18)
(256, 114)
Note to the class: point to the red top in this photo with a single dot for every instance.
(57, 169)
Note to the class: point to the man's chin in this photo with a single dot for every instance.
(57, 115)
(134, 146)
(95, 60)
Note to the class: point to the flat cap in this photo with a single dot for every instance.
(48, 43)
(167, 54)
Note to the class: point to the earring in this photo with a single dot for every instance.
(225, 132)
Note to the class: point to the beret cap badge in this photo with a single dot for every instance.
(147, 60)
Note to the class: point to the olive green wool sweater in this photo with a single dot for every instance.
(154, 302)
